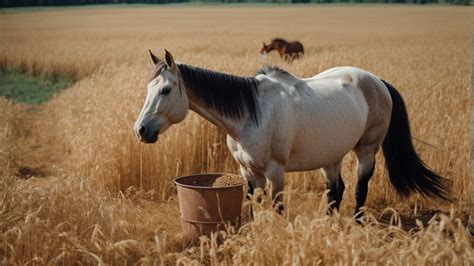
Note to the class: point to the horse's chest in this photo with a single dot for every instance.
(246, 156)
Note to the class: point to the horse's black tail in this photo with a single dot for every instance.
(406, 170)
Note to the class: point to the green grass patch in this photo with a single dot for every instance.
(29, 89)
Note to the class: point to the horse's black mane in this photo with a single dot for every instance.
(229, 95)
(268, 70)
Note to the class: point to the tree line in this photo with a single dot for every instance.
(20, 3)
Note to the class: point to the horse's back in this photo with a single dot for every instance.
(355, 80)
(337, 72)
(340, 88)
(361, 79)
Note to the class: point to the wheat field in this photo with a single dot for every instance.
(76, 185)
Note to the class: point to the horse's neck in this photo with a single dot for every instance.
(225, 100)
(229, 126)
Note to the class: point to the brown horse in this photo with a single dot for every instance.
(289, 51)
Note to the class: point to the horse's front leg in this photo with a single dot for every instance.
(275, 173)
(335, 185)
(254, 180)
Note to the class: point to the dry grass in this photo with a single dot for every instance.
(81, 141)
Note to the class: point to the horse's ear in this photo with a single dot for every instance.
(155, 59)
(169, 60)
(264, 45)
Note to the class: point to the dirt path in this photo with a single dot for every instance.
(39, 154)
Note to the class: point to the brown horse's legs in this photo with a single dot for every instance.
(292, 58)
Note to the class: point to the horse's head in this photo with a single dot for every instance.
(166, 103)
(265, 49)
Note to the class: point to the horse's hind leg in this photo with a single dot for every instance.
(365, 170)
(335, 184)
(378, 120)
(365, 151)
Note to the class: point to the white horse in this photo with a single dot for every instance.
(276, 123)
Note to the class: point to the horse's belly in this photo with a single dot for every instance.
(316, 148)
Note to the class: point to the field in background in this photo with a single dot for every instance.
(100, 196)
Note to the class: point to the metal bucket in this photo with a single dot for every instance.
(204, 210)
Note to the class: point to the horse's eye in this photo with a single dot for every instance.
(166, 90)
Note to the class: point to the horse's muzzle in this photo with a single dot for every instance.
(152, 138)
(146, 135)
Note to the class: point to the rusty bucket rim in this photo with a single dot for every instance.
(176, 181)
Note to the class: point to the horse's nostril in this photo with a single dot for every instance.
(142, 130)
